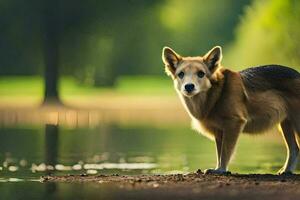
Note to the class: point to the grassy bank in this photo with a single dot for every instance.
(20, 91)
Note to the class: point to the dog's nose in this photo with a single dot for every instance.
(189, 87)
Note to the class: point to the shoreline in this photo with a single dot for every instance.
(193, 185)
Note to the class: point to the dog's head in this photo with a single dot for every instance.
(192, 75)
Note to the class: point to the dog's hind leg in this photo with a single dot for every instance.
(289, 136)
(296, 125)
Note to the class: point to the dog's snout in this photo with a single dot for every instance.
(189, 87)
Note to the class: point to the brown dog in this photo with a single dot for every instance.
(223, 103)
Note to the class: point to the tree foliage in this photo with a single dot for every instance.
(269, 33)
(99, 40)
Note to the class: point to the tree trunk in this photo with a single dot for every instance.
(51, 52)
(51, 77)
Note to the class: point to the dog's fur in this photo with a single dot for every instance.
(224, 103)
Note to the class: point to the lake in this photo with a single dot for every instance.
(116, 146)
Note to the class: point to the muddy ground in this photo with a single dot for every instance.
(192, 186)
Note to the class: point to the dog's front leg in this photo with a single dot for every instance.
(218, 141)
(229, 138)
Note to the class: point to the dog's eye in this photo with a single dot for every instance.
(200, 74)
(181, 75)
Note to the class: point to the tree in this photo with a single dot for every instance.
(268, 33)
(99, 40)
(51, 40)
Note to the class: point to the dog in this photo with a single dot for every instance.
(223, 103)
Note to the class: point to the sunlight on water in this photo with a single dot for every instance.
(90, 118)
(120, 166)
(11, 180)
(30, 150)
(88, 166)
(125, 143)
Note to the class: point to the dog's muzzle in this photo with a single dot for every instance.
(189, 88)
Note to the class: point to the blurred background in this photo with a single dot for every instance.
(97, 63)
(79, 51)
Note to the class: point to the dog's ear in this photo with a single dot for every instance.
(213, 58)
(171, 60)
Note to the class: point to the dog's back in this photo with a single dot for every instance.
(274, 94)
(275, 77)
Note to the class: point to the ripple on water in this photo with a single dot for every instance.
(91, 168)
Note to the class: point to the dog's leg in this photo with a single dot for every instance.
(296, 126)
(229, 139)
(292, 147)
(218, 141)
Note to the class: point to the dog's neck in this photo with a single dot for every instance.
(200, 105)
(195, 105)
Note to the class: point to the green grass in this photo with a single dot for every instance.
(128, 85)
(145, 85)
(20, 86)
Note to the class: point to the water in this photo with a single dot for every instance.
(30, 151)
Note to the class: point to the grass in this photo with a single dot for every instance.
(21, 86)
(29, 90)
(33, 85)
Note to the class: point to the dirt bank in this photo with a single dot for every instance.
(193, 185)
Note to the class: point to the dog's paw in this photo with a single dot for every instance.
(284, 172)
(217, 172)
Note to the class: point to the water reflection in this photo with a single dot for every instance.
(90, 118)
(51, 153)
(30, 150)
(51, 146)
